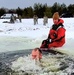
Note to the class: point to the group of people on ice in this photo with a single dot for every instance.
(56, 37)
(13, 18)
(35, 19)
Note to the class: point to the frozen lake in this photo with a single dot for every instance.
(17, 43)
(26, 35)
(19, 38)
(10, 43)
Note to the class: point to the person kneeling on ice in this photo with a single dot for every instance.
(56, 37)
(36, 54)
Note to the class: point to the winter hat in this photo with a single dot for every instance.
(55, 16)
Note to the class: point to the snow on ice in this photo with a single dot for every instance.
(26, 35)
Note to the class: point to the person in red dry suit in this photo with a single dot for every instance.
(56, 36)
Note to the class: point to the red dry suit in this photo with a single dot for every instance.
(56, 36)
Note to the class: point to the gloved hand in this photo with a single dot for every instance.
(48, 40)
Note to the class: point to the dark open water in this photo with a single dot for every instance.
(8, 57)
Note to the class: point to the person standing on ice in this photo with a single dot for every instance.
(35, 18)
(56, 36)
(45, 20)
(20, 18)
(12, 19)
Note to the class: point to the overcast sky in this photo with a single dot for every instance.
(26, 3)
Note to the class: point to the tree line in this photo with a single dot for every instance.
(40, 10)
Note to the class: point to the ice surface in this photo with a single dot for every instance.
(26, 35)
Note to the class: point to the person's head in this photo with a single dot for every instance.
(36, 54)
(55, 17)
